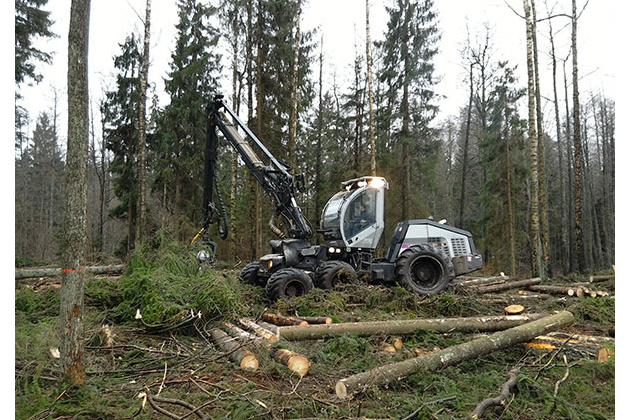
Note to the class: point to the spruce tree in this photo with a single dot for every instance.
(191, 83)
(121, 131)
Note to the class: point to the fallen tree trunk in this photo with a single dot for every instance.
(557, 290)
(452, 355)
(595, 279)
(240, 333)
(508, 285)
(317, 319)
(501, 399)
(278, 319)
(258, 330)
(481, 323)
(238, 354)
(25, 273)
(295, 362)
(270, 327)
(480, 281)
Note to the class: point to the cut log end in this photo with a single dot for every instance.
(514, 309)
(295, 362)
(387, 348)
(341, 390)
(249, 363)
(398, 344)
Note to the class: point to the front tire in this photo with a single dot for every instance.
(331, 273)
(422, 270)
(249, 274)
(288, 282)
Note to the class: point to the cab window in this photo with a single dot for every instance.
(360, 213)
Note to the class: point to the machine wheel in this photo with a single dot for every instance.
(422, 270)
(288, 282)
(249, 274)
(331, 273)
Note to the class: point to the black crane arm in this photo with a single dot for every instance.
(274, 177)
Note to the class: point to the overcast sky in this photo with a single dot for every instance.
(342, 23)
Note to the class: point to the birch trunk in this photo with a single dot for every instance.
(533, 140)
(483, 323)
(542, 181)
(451, 355)
(142, 130)
(75, 221)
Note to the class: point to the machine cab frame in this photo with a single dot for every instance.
(355, 215)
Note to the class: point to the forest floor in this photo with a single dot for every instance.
(168, 353)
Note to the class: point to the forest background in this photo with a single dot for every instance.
(445, 157)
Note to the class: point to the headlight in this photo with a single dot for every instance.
(270, 263)
(377, 182)
(331, 250)
(361, 184)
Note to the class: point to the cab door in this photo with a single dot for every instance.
(362, 218)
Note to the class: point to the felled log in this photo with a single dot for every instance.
(501, 399)
(258, 330)
(556, 290)
(317, 319)
(598, 339)
(508, 285)
(481, 323)
(240, 333)
(479, 281)
(268, 326)
(278, 319)
(295, 362)
(549, 343)
(25, 273)
(238, 354)
(595, 279)
(452, 355)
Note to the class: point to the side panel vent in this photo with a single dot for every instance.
(459, 246)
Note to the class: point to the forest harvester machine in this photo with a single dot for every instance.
(423, 255)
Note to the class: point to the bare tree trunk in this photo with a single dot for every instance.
(368, 63)
(234, 158)
(320, 132)
(508, 170)
(533, 140)
(142, 131)
(75, 221)
(542, 178)
(294, 89)
(259, 127)
(451, 355)
(563, 231)
(577, 148)
(462, 199)
(570, 209)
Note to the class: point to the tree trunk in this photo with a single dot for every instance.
(479, 281)
(462, 199)
(320, 132)
(368, 63)
(75, 221)
(570, 209)
(596, 279)
(258, 330)
(278, 319)
(508, 182)
(577, 148)
(483, 323)
(259, 129)
(508, 285)
(542, 179)
(563, 231)
(533, 140)
(317, 319)
(25, 273)
(142, 131)
(246, 360)
(294, 90)
(451, 355)
(241, 335)
(558, 290)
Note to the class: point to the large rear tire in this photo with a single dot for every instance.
(249, 274)
(331, 273)
(423, 270)
(288, 282)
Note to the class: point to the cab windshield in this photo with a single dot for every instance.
(360, 213)
(331, 213)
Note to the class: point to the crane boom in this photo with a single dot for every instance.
(274, 177)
